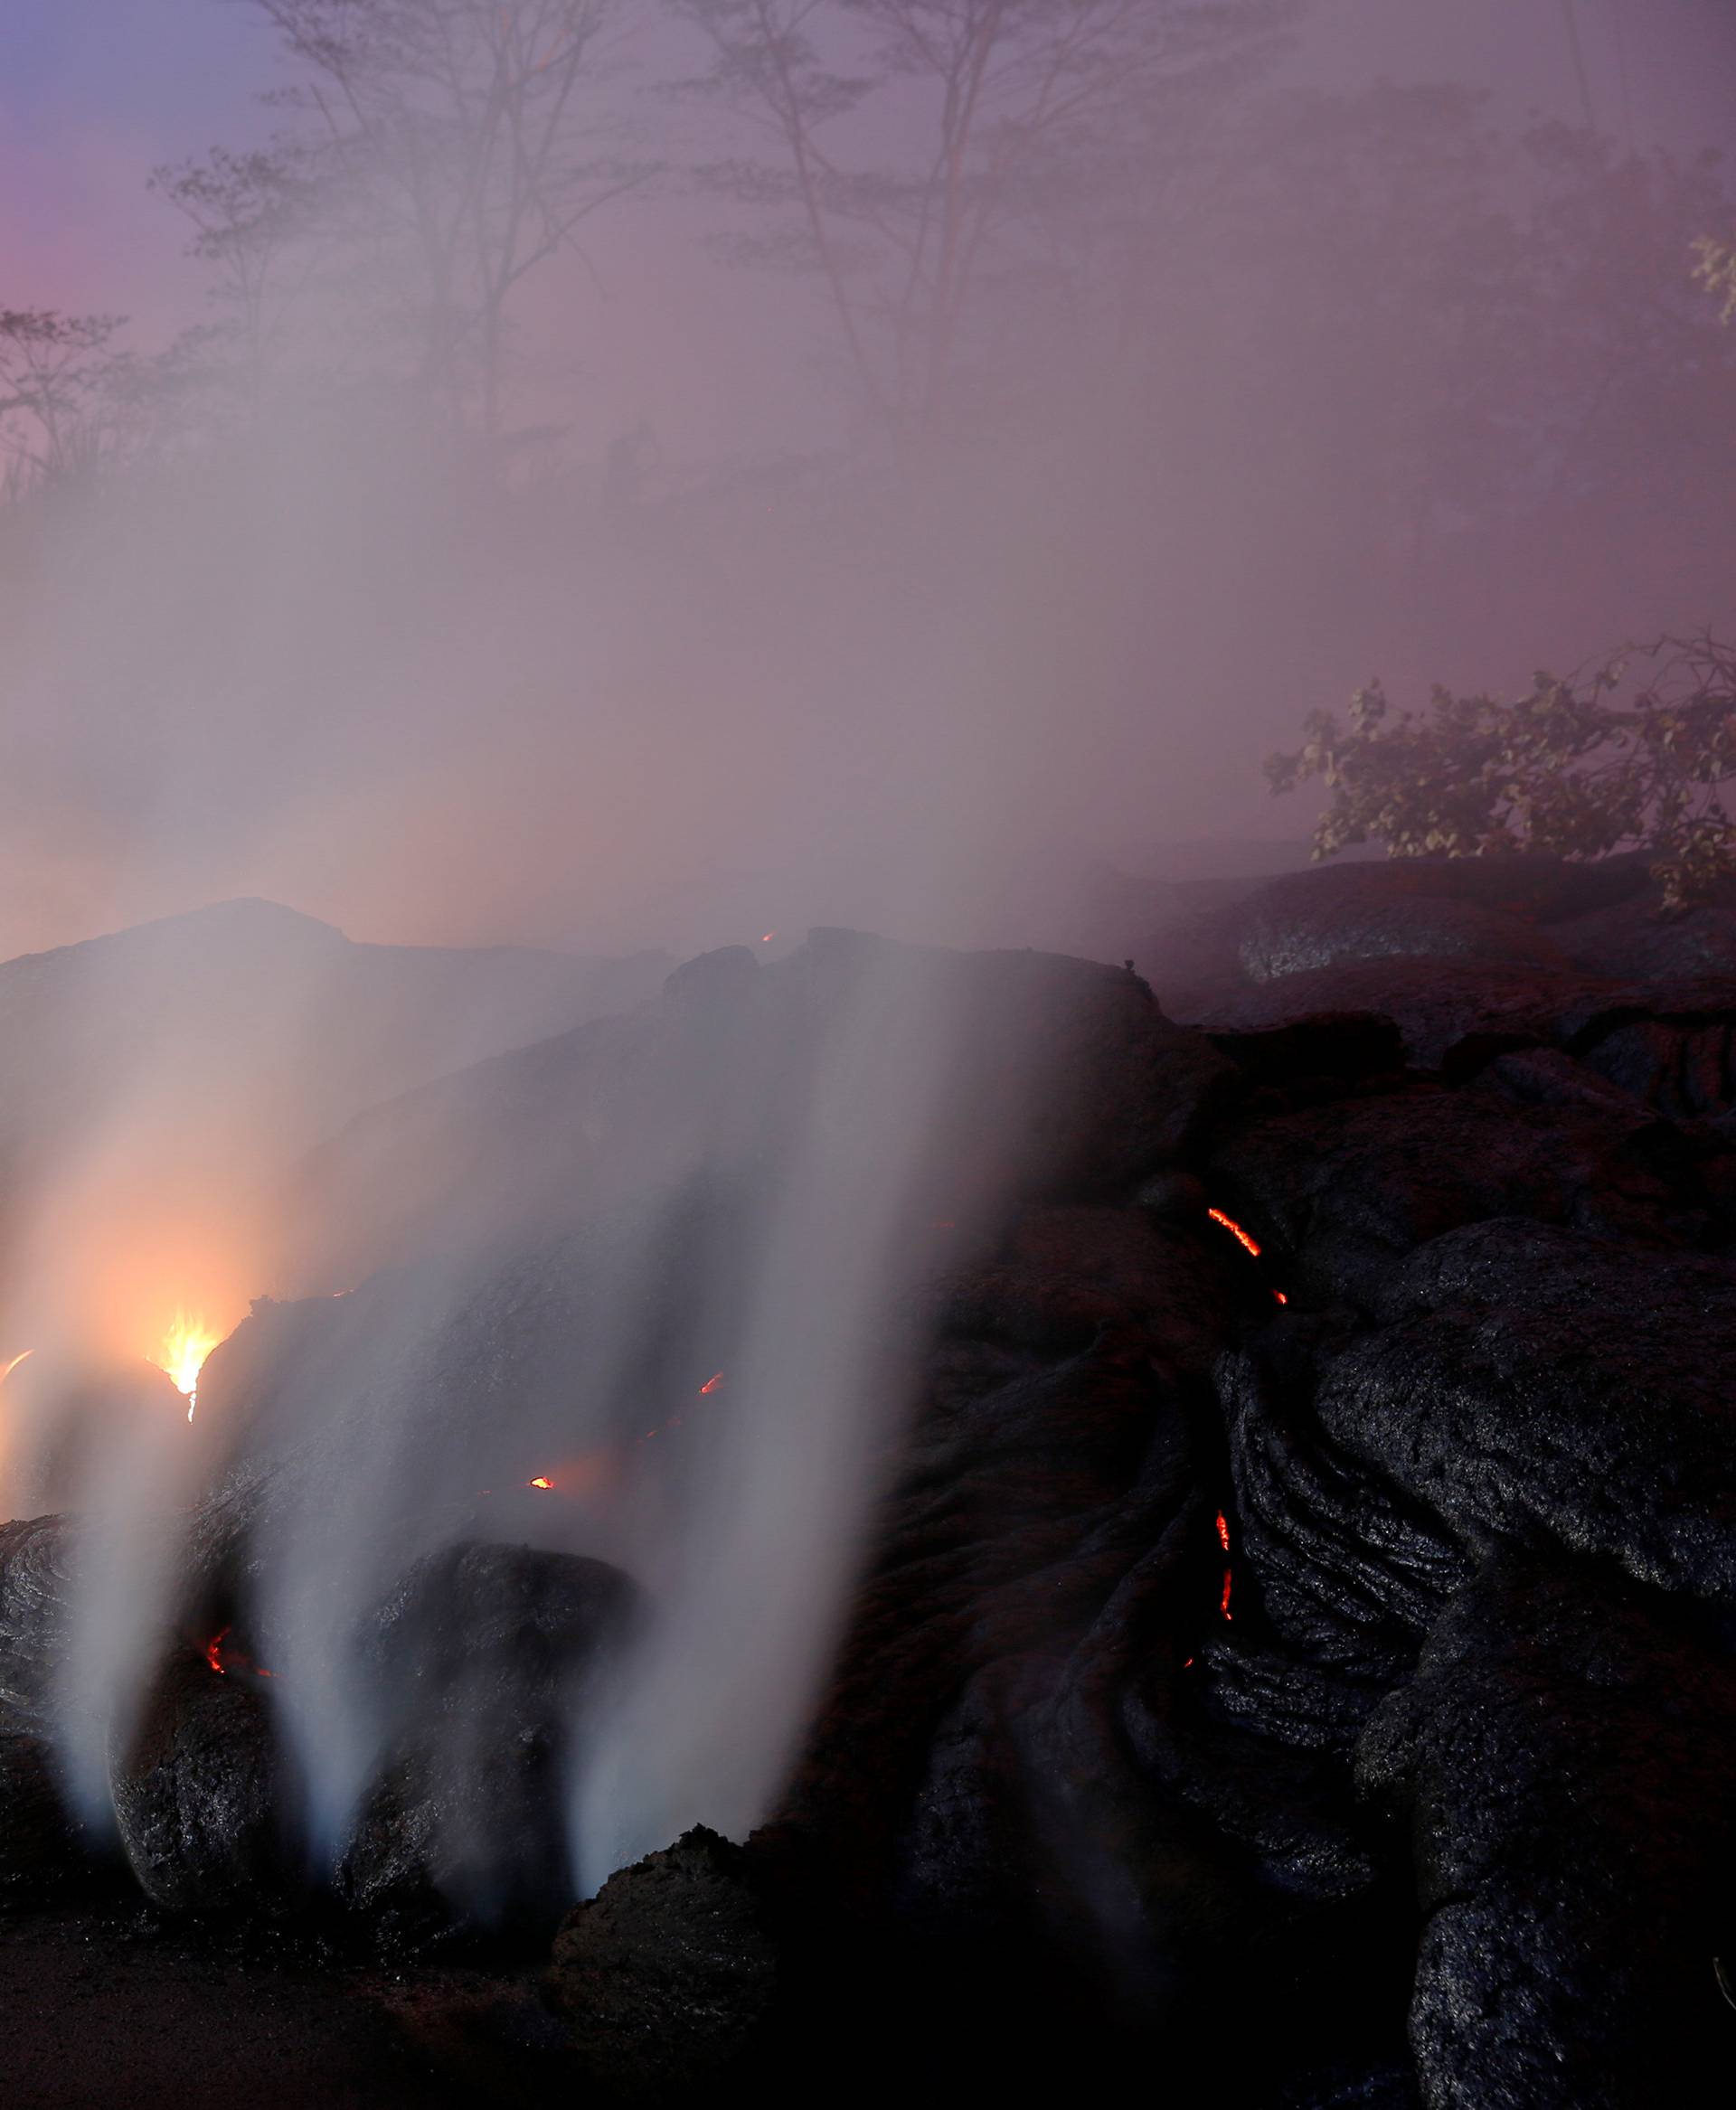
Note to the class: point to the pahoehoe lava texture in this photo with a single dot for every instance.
(1310, 1670)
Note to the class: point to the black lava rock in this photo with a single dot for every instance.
(668, 1976)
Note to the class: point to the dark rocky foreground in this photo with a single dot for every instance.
(1304, 1678)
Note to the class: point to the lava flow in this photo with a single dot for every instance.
(224, 1656)
(1250, 1244)
(1230, 1224)
(184, 1347)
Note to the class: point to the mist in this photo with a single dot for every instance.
(759, 516)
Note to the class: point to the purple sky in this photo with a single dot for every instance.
(585, 774)
(94, 92)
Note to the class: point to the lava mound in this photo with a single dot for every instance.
(1302, 1585)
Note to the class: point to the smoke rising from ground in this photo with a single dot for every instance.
(953, 571)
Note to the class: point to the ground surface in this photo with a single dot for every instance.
(107, 2005)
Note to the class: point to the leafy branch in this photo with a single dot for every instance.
(1572, 767)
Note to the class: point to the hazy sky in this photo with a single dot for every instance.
(588, 754)
(93, 93)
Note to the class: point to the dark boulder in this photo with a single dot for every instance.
(1496, 914)
(1289, 931)
(479, 1666)
(1343, 1047)
(668, 1976)
(1532, 1379)
(1635, 942)
(1675, 1054)
(1436, 1004)
(196, 1789)
(1560, 1762)
(1027, 1073)
(36, 1557)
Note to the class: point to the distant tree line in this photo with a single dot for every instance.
(1004, 209)
(1633, 755)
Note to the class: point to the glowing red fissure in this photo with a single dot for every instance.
(1242, 1239)
(1246, 1240)
(1229, 1578)
(215, 1653)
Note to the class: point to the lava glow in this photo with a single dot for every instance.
(12, 1365)
(1228, 1574)
(711, 1384)
(1234, 1229)
(542, 1480)
(221, 1655)
(184, 1347)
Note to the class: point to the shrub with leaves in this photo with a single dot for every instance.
(1632, 755)
(1714, 266)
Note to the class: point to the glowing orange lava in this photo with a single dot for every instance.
(183, 1352)
(1223, 1540)
(541, 1481)
(12, 1365)
(217, 1650)
(711, 1384)
(1235, 1230)
(768, 937)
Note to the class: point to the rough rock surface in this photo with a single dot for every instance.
(1297, 1646)
(194, 1792)
(1559, 1762)
(668, 1976)
(481, 1658)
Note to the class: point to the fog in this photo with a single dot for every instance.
(693, 508)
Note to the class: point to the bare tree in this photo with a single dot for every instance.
(53, 374)
(1013, 115)
(461, 132)
(255, 221)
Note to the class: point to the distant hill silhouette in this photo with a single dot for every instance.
(154, 1083)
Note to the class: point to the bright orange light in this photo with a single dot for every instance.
(1224, 1530)
(12, 1365)
(768, 937)
(183, 1352)
(217, 1650)
(1224, 1602)
(711, 1384)
(1235, 1230)
(1280, 1297)
(541, 1482)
